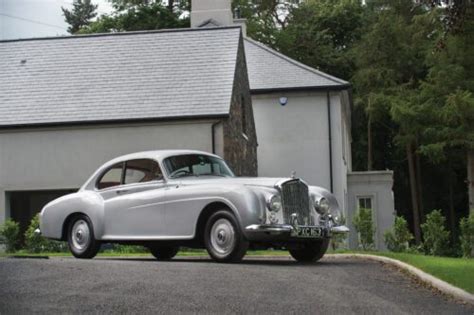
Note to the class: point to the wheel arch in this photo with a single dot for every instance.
(206, 213)
(68, 220)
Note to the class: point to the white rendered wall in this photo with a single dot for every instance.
(62, 158)
(295, 137)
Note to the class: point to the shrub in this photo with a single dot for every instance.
(397, 239)
(365, 227)
(338, 240)
(436, 237)
(10, 232)
(36, 243)
(126, 249)
(466, 226)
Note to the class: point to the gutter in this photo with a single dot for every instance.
(330, 141)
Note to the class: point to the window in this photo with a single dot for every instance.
(112, 177)
(364, 202)
(142, 170)
(196, 165)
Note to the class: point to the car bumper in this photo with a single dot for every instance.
(285, 231)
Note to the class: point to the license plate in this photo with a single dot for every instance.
(307, 232)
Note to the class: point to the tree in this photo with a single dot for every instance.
(321, 34)
(136, 18)
(81, 15)
(390, 66)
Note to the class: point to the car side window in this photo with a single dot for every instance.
(141, 171)
(112, 177)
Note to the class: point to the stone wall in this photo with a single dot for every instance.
(240, 141)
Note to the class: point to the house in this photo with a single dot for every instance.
(68, 104)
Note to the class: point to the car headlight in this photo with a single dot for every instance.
(274, 203)
(336, 216)
(322, 206)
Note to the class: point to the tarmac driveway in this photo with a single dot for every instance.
(105, 285)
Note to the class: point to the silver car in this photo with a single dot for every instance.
(167, 199)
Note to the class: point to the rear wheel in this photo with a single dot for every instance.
(81, 240)
(223, 238)
(164, 253)
(310, 252)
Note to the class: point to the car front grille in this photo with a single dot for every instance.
(295, 199)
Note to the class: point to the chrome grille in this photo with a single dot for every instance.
(295, 199)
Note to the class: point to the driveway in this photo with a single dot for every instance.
(105, 285)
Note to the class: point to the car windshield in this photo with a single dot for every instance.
(196, 165)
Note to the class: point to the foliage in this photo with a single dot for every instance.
(436, 237)
(364, 225)
(82, 13)
(37, 244)
(397, 240)
(10, 232)
(466, 226)
(321, 34)
(136, 18)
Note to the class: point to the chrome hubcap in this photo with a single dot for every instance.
(222, 237)
(80, 235)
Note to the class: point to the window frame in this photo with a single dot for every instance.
(105, 171)
(122, 177)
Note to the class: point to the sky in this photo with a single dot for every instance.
(37, 18)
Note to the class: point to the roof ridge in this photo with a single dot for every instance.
(297, 63)
(126, 33)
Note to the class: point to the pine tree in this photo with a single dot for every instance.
(81, 15)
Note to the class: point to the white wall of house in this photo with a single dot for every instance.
(295, 137)
(376, 186)
(62, 158)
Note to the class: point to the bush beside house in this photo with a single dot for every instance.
(364, 225)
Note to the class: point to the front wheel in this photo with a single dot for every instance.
(223, 238)
(81, 240)
(310, 252)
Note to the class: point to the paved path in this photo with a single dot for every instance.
(335, 285)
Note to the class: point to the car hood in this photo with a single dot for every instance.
(248, 181)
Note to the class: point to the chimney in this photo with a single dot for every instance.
(215, 13)
(218, 11)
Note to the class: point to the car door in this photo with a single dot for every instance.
(134, 209)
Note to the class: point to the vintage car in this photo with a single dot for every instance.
(171, 198)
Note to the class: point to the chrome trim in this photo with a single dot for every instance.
(339, 229)
(269, 228)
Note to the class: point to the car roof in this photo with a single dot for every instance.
(156, 154)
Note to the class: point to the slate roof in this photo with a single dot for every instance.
(160, 74)
(269, 71)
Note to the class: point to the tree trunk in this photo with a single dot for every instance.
(419, 188)
(414, 196)
(369, 138)
(470, 179)
(452, 215)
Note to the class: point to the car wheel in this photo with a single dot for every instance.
(223, 238)
(310, 252)
(81, 240)
(164, 253)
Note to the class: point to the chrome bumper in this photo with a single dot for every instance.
(287, 228)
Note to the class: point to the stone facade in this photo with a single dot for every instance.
(240, 138)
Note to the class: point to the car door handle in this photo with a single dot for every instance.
(122, 191)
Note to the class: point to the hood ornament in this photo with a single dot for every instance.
(293, 174)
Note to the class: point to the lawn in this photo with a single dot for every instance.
(456, 271)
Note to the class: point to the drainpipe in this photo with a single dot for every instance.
(330, 141)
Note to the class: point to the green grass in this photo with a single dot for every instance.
(456, 271)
